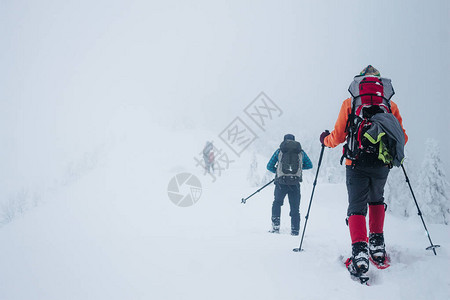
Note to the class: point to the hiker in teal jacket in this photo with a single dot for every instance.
(290, 187)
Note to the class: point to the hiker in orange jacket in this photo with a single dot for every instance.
(366, 174)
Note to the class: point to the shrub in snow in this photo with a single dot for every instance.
(14, 206)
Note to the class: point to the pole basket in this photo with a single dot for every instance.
(432, 247)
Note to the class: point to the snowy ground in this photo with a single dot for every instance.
(114, 234)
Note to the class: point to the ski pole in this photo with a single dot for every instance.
(432, 247)
(244, 200)
(310, 201)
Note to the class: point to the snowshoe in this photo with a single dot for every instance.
(377, 250)
(356, 274)
(383, 265)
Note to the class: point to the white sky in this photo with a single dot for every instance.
(74, 72)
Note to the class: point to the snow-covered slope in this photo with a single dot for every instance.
(114, 234)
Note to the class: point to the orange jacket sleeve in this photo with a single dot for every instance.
(396, 113)
(338, 135)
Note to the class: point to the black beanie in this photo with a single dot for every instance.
(289, 137)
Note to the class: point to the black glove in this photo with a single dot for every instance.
(323, 136)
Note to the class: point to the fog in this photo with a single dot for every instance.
(78, 75)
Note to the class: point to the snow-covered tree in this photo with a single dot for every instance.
(433, 189)
(253, 176)
(397, 195)
(332, 171)
(268, 176)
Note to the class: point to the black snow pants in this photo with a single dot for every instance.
(365, 185)
(293, 192)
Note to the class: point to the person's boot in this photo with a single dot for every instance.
(295, 225)
(360, 258)
(377, 248)
(275, 225)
